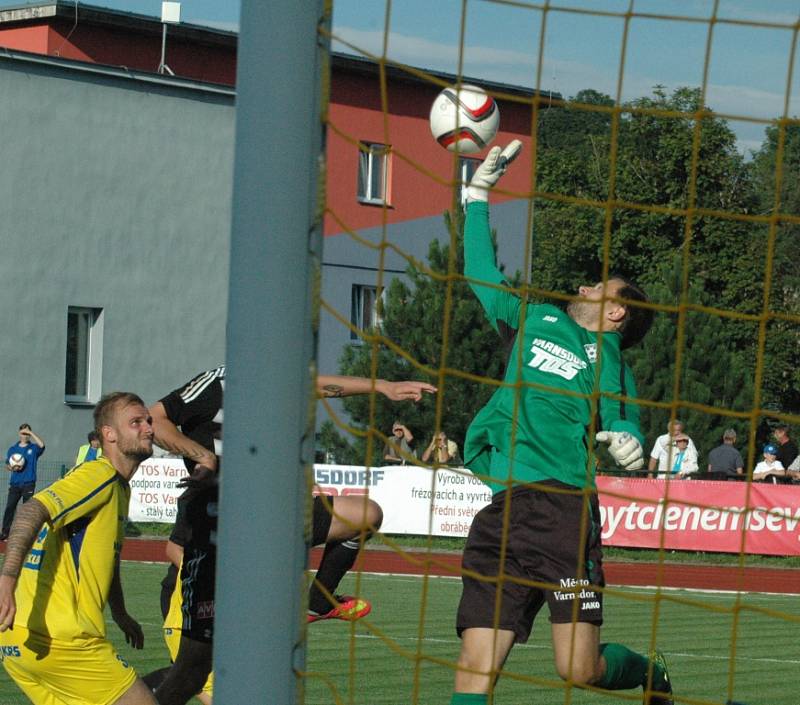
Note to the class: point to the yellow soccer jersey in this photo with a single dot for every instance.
(66, 577)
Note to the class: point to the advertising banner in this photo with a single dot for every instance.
(698, 515)
(414, 500)
(154, 495)
(691, 515)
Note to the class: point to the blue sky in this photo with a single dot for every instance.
(748, 67)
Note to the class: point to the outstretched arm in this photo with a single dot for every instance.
(27, 525)
(480, 266)
(340, 386)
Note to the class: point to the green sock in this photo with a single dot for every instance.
(469, 699)
(625, 669)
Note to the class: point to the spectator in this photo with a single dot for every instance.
(22, 482)
(793, 470)
(770, 469)
(662, 457)
(787, 448)
(90, 450)
(441, 451)
(725, 462)
(399, 448)
(684, 462)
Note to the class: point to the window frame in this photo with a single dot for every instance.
(91, 351)
(368, 154)
(357, 309)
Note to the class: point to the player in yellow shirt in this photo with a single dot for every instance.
(62, 567)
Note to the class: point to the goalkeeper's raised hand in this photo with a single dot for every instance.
(491, 169)
(624, 448)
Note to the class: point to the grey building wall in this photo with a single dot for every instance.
(114, 193)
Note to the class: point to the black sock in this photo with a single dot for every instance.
(337, 559)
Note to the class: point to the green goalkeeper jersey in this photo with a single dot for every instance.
(541, 416)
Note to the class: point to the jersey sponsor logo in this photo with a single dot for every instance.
(591, 351)
(550, 319)
(553, 359)
(205, 610)
(9, 652)
(577, 588)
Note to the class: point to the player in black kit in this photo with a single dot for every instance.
(188, 422)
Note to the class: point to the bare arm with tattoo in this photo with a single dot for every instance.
(339, 386)
(27, 525)
(169, 437)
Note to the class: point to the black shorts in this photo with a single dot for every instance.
(199, 564)
(320, 520)
(542, 562)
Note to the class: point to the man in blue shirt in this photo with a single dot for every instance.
(22, 482)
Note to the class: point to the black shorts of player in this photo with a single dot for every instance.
(321, 519)
(199, 564)
(548, 558)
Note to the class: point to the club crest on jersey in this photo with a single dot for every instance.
(553, 359)
(591, 351)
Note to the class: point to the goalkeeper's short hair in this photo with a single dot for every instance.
(637, 319)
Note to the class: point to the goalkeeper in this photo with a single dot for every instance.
(531, 441)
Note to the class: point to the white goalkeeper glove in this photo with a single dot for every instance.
(491, 169)
(624, 448)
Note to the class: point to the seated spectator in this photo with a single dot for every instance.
(662, 457)
(787, 448)
(793, 470)
(90, 450)
(398, 448)
(770, 469)
(441, 451)
(725, 462)
(684, 461)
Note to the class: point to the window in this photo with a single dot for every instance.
(84, 358)
(373, 173)
(364, 308)
(466, 170)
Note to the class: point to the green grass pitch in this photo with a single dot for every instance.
(403, 652)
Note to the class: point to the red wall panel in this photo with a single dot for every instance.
(421, 170)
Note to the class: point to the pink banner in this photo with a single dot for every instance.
(696, 515)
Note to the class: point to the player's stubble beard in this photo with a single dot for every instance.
(138, 451)
(585, 314)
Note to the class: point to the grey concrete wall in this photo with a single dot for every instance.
(115, 194)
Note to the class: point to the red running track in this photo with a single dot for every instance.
(693, 576)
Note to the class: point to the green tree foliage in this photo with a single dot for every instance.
(653, 167)
(413, 321)
(782, 349)
(712, 373)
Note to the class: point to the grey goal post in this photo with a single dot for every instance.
(275, 255)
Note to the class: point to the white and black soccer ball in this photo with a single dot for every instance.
(16, 461)
(464, 119)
